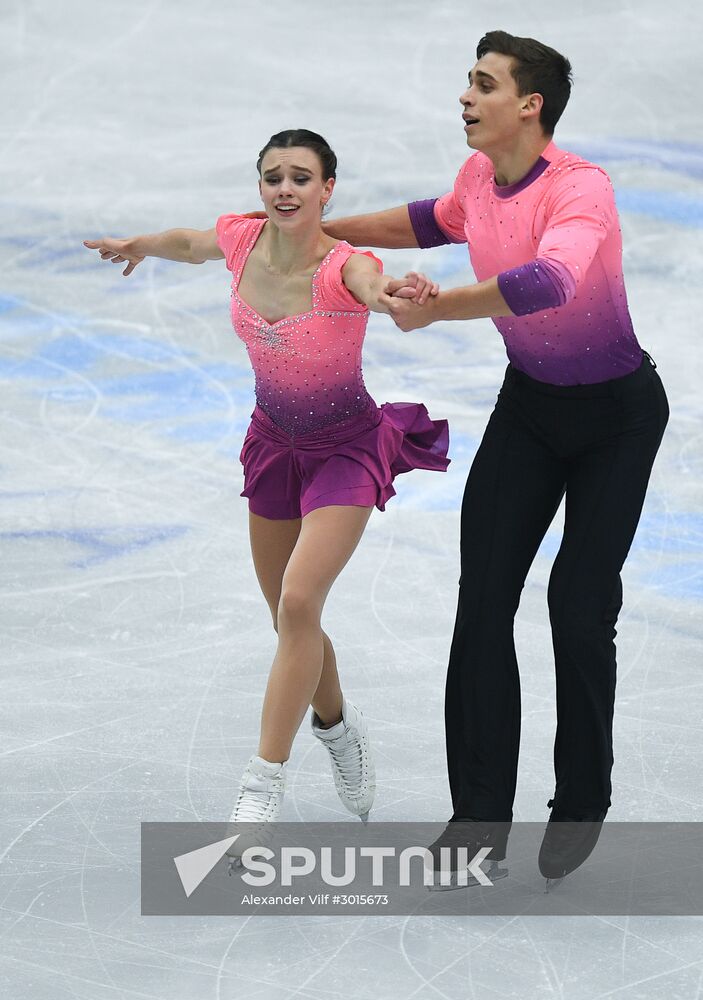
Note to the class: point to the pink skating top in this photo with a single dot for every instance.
(553, 239)
(307, 367)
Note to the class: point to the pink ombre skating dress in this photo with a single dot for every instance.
(317, 438)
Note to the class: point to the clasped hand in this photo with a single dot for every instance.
(409, 306)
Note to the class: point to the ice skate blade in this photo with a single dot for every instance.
(364, 817)
(552, 884)
(494, 873)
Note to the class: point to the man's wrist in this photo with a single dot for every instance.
(456, 303)
(438, 307)
(479, 301)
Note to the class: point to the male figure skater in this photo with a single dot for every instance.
(581, 411)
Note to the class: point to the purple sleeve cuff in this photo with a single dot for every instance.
(427, 232)
(541, 284)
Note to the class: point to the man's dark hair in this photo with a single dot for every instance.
(302, 137)
(536, 69)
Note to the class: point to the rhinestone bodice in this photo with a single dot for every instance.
(307, 367)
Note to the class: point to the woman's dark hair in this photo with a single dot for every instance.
(301, 137)
(537, 69)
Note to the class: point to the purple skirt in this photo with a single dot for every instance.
(351, 463)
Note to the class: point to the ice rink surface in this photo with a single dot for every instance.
(135, 642)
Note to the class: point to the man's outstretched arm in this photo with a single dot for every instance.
(391, 229)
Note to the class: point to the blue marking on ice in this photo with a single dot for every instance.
(676, 157)
(220, 391)
(210, 430)
(684, 580)
(18, 318)
(461, 445)
(104, 543)
(18, 241)
(669, 206)
(76, 353)
(49, 253)
(142, 348)
(179, 387)
(673, 533)
(8, 303)
(73, 393)
(26, 368)
(185, 383)
(156, 408)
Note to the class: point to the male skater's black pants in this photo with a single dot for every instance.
(596, 443)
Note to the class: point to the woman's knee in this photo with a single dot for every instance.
(297, 606)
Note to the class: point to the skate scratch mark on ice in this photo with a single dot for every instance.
(464, 957)
(426, 982)
(359, 926)
(220, 968)
(648, 979)
(178, 577)
(68, 798)
(92, 390)
(546, 965)
(99, 582)
(374, 605)
(72, 976)
(225, 391)
(668, 797)
(154, 354)
(20, 916)
(133, 868)
(294, 784)
(131, 943)
(98, 540)
(92, 836)
(640, 939)
(191, 743)
(74, 732)
(626, 935)
(202, 466)
(76, 66)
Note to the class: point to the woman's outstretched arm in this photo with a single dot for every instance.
(192, 246)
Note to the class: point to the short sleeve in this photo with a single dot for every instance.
(332, 292)
(427, 232)
(449, 209)
(233, 234)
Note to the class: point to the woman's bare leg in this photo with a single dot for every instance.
(327, 700)
(272, 543)
(326, 540)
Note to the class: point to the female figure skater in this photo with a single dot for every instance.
(319, 453)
